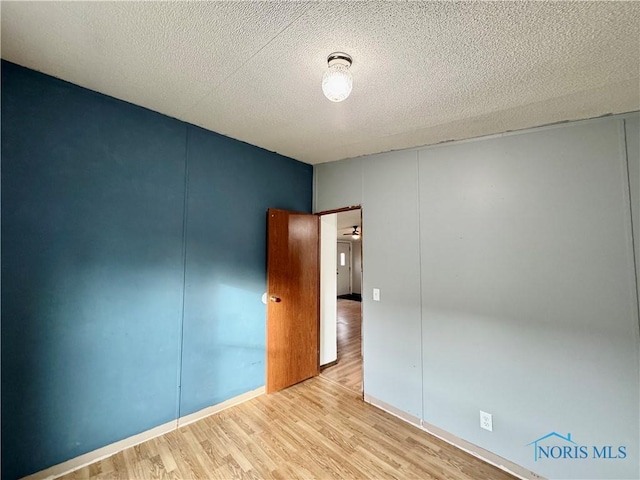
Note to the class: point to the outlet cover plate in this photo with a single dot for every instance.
(486, 421)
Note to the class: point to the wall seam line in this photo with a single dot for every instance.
(420, 286)
(185, 211)
(631, 209)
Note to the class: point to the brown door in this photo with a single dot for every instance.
(293, 320)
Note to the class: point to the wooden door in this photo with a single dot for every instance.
(293, 318)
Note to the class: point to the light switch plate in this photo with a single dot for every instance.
(376, 294)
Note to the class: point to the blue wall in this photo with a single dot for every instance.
(133, 262)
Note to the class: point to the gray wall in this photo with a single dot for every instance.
(392, 352)
(506, 269)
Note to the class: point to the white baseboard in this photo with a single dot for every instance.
(396, 412)
(484, 455)
(108, 450)
(194, 417)
(101, 453)
(470, 448)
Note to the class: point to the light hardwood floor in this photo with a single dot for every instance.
(348, 370)
(316, 429)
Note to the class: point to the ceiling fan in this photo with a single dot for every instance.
(355, 234)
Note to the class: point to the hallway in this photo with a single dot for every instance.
(348, 371)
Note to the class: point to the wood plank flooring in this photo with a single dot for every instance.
(348, 370)
(316, 429)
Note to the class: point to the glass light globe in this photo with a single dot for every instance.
(337, 82)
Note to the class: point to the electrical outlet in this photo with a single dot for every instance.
(486, 421)
(376, 294)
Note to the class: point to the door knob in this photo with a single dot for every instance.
(273, 298)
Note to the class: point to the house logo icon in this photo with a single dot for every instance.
(554, 446)
(545, 450)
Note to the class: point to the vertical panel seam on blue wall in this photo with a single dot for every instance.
(631, 208)
(420, 285)
(185, 211)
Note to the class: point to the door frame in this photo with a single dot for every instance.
(339, 210)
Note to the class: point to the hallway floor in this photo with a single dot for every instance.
(348, 371)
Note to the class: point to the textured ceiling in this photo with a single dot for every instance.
(424, 72)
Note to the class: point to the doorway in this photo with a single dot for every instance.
(340, 298)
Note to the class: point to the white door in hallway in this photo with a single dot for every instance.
(344, 268)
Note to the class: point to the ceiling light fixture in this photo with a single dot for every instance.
(337, 80)
(355, 234)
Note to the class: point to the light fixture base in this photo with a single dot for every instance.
(339, 58)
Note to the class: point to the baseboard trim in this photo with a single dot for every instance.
(478, 452)
(396, 412)
(109, 450)
(206, 412)
(101, 453)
